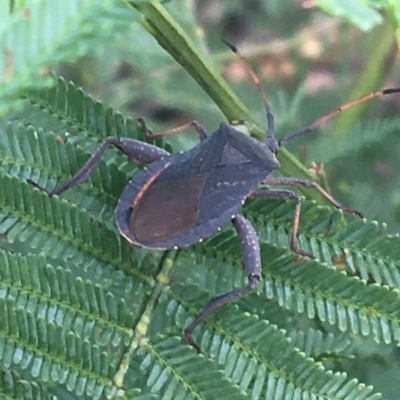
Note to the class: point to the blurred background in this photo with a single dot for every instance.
(309, 63)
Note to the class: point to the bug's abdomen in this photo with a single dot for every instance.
(166, 209)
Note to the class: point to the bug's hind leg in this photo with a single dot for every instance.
(252, 265)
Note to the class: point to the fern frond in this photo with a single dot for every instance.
(257, 356)
(77, 305)
(317, 344)
(84, 332)
(13, 387)
(309, 287)
(51, 352)
(347, 302)
(172, 371)
(66, 102)
(79, 112)
(30, 218)
(39, 156)
(362, 247)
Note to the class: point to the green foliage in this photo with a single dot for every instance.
(13, 387)
(360, 13)
(329, 147)
(363, 14)
(89, 327)
(39, 33)
(84, 315)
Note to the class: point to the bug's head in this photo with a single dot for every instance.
(272, 144)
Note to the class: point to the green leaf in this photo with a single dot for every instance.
(172, 370)
(13, 387)
(362, 13)
(257, 356)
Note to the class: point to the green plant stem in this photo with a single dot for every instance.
(161, 281)
(370, 79)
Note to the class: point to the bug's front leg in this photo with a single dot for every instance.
(201, 131)
(252, 265)
(140, 152)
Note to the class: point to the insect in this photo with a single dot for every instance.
(182, 198)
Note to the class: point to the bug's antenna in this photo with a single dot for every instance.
(256, 80)
(332, 113)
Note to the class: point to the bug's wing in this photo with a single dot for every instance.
(188, 196)
(225, 187)
(167, 208)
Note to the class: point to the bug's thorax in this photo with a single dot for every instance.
(261, 154)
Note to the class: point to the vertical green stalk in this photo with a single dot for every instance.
(139, 334)
(372, 77)
(161, 25)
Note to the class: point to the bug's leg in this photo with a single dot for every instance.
(285, 195)
(310, 184)
(252, 265)
(192, 124)
(136, 150)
